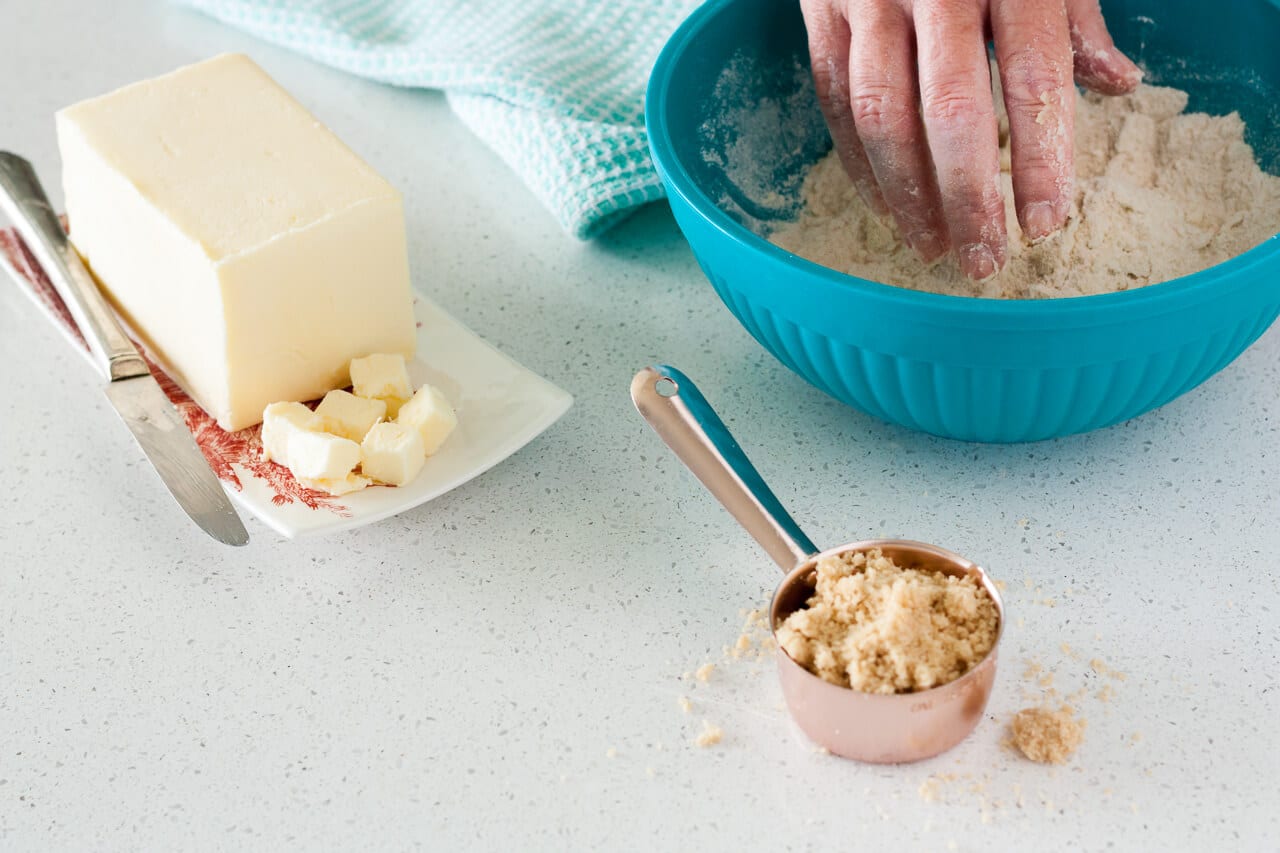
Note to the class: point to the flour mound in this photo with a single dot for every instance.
(1159, 194)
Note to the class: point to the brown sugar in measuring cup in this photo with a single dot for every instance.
(873, 727)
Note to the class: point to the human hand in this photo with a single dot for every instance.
(905, 86)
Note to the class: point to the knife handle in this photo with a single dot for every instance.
(25, 202)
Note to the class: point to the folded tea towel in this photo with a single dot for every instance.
(555, 87)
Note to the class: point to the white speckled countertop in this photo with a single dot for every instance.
(500, 669)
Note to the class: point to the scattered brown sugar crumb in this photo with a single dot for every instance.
(878, 627)
(704, 672)
(710, 735)
(1101, 668)
(685, 704)
(1047, 736)
(928, 789)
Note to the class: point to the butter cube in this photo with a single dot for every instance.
(320, 456)
(281, 421)
(431, 415)
(350, 416)
(392, 453)
(342, 486)
(382, 376)
(393, 405)
(254, 253)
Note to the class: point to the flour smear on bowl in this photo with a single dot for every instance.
(1159, 194)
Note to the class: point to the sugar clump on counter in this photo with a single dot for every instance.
(878, 627)
(1047, 736)
(710, 735)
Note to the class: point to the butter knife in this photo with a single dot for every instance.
(134, 393)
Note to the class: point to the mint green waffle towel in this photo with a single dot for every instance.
(555, 87)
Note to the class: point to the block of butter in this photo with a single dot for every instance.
(250, 249)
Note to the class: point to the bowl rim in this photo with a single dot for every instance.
(1156, 298)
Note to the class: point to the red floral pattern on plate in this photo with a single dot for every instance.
(223, 450)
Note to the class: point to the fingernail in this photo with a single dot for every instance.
(1039, 220)
(1131, 69)
(928, 245)
(977, 261)
(1126, 70)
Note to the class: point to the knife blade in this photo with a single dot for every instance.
(131, 389)
(163, 437)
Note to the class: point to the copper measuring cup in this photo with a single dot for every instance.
(880, 728)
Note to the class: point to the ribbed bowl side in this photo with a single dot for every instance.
(987, 404)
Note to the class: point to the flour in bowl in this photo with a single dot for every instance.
(1159, 194)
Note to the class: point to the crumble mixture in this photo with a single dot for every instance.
(878, 627)
(1047, 736)
(1159, 194)
(709, 736)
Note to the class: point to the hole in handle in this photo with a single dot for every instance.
(666, 387)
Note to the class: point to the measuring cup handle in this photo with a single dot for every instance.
(682, 418)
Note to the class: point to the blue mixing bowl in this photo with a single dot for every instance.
(965, 368)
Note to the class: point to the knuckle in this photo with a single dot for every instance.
(1034, 167)
(951, 104)
(1028, 76)
(879, 112)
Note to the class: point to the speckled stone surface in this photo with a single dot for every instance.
(501, 668)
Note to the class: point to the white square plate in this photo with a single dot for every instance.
(501, 406)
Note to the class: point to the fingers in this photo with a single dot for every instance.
(1099, 65)
(883, 94)
(960, 119)
(829, 55)
(1033, 50)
